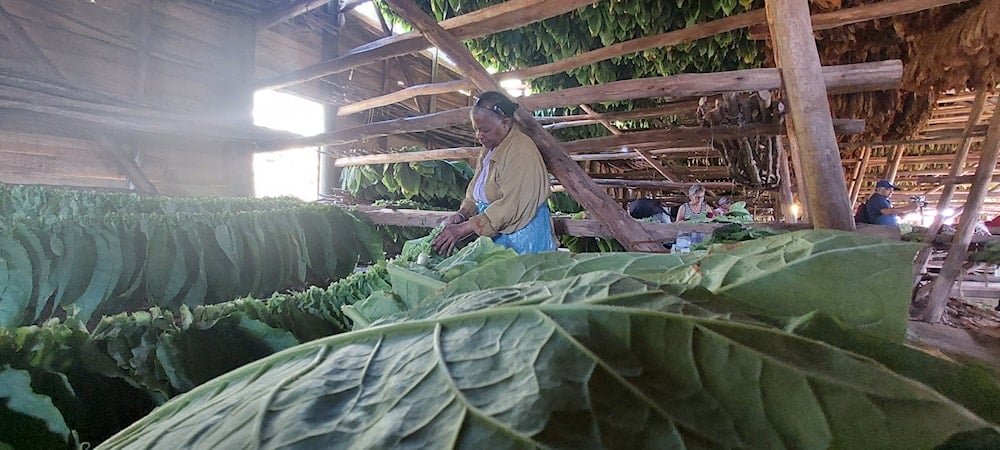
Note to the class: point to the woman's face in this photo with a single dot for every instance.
(697, 197)
(490, 127)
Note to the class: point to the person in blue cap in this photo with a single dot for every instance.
(879, 208)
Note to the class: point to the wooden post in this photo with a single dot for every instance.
(628, 232)
(822, 170)
(785, 197)
(329, 173)
(802, 188)
(859, 175)
(239, 102)
(941, 289)
(893, 168)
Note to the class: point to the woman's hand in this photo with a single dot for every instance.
(454, 218)
(450, 236)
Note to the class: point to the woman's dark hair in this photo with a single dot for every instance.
(498, 103)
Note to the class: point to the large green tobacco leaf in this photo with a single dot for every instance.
(564, 376)
(20, 406)
(862, 281)
(15, 281)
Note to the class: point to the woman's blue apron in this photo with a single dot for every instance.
(535, 237)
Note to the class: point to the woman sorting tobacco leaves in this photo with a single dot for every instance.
(696, 206)
(506, 199)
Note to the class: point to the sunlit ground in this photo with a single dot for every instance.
(290, 172)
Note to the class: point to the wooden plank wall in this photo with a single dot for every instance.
(173, 55)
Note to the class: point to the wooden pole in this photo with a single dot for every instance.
(801, 187)
(329, 173)
(822, 170)
(859, 176)
(942, 285)
(897, 159)
(785, 197)
(628, 232)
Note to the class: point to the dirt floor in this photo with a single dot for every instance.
(970, 329)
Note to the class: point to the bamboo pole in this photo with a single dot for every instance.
(809, 107)
(941, 286)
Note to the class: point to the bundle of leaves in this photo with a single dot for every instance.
(48, 204)
(437, 183)
(120, 263)
(748, 346)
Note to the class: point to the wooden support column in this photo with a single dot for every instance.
(628, 232)
(329, 173)
(859, 174)
(941, 289)
(785, 197)
(822, 170)
(893, 167)
(239, 102)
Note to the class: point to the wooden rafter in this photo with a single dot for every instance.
(279, 14)
(584, 191)
(479, 23)
(846, 78)
(863, 13)
(755, 19)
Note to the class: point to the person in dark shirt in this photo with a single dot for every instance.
(643, 208)
(879, 207)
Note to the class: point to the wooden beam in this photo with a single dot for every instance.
(13, 30)
(479, 23)
(646, 156)
(122, 158)
(685, 135)
(851, 77)
(668, 39)
(692, 135)
(656, 184)
(863, 13)
(949, 180)
(809, 107)
(583, 190)
(284, 12)
(941, 286)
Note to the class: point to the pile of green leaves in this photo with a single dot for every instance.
(438, 183)
(64, 385)
(754, 345)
